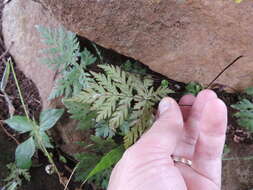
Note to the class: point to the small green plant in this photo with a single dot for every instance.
(133, 67)
(245, 110)
(15, 177)
(193, 88)
(38, 138)
(245, 113)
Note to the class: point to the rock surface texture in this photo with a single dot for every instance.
(183, 39)
(19, 20)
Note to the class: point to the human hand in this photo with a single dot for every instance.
(196, 133)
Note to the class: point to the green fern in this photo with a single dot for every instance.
(142, 120)
(245, 114)
(193, 88)
(103, 129)
(62, 54)
(16, 176)
(81, 112)
(113, 94)
(63, 47)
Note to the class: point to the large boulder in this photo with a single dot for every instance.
(183, 39)
(19, 20)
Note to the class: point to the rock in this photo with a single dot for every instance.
(183, 39)
(238, 172)
(19, 20)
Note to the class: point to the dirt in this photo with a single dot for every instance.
(239, 141)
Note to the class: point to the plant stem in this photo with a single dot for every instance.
(43, 148)
(19, 90)
(71, 176)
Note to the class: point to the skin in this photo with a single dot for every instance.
(195, 132)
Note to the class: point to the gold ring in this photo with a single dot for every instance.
(182, 160)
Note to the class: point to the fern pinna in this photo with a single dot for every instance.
(117, 96)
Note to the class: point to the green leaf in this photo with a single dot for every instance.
(63, 159)
(15, 177)
(24, 153)
(103, 130)
(193, 88)
(101, 145)
(20, 124)
(45, 140)
(249, 91)
(48, 118)
(82, 113)
(87, 58)
(245, 114)
(5, 77)
(107, 161)
(87, 161)
(62, 54)
(165, 83)
(63, 47)
(12, 186)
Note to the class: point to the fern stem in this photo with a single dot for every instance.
(141, 98)
(19, 90)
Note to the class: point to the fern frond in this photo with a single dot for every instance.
(245, 113)
(63, 47)
(115, 92)
(103, 130)
(63, 54)
(80, 112)
(86, 58)
(110, 96)
(121, 112)
(160, 93)
(71, 83)
(141, 122)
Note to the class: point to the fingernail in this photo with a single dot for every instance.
(164, 105)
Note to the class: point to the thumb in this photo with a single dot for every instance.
(164, 135)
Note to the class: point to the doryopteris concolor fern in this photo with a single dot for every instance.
(63, 47)
(118, 96)
(245, 113)
(63, 54)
